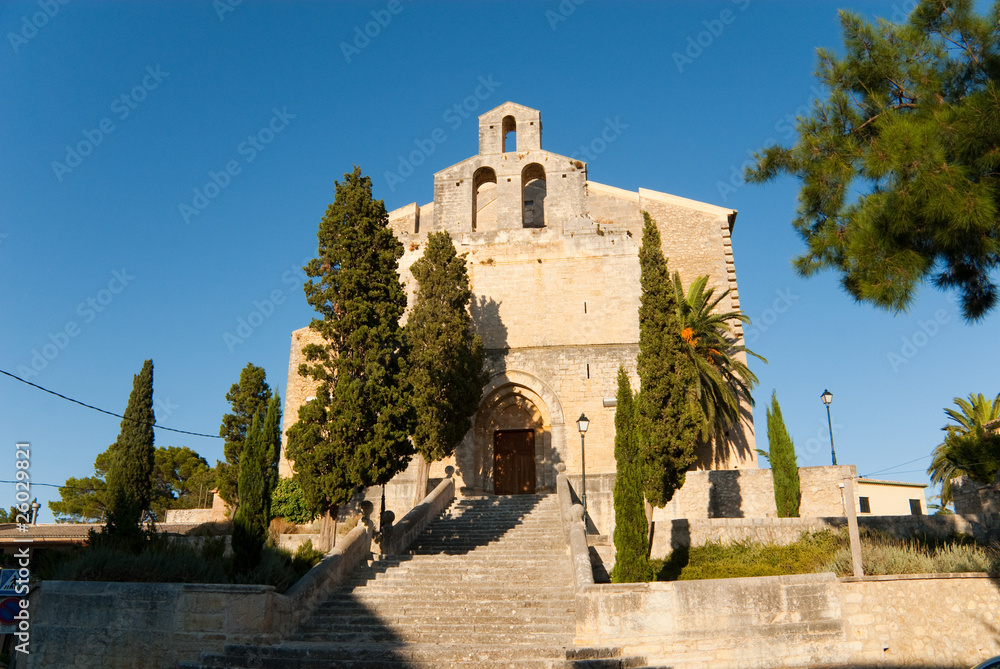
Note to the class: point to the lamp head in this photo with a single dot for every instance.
(827, 397)
(582, 423)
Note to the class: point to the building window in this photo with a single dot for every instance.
(533, 193)
(508, 132)
(915, 507)
(864, 505)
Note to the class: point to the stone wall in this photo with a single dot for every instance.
(931, 620)
(804, 620)
(749, 493)
(974, 498)
(81, 625)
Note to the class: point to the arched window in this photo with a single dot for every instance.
(533, 196)
(508, 130)
(484, 199)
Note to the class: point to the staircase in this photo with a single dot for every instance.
(487, 585)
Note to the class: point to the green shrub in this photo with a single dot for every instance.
(882, 554)
(747, 558)
(830, 551)
(289, 502)
(306, 557)
(166, 561)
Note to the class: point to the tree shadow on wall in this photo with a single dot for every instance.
(680, 544)
(724, 497)
(486, 319)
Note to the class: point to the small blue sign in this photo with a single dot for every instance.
(8, 581)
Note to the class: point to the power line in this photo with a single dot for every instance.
(110, 413)
(899, 465)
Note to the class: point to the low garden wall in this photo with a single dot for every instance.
(813, 619)
(81, 625)
(671, 534)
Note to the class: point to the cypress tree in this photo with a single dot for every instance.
(667, 411)
(248, 397)
(631, 536)
(271, 431)
(446, 356)
(355, 433)
(130, 472)
(784, 468)
(252, 517)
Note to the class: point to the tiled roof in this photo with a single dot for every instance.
(73, 531)
(902, 484)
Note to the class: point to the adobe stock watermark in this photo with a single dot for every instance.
(820, 443)
(911, 345)
(248, 149)
(365, 33)
(453, 116)
(611, 131)
(223, 7)
(783, 301)
(263, 309)
(566, 9)
(30, 25)
(87, 311)
(785, 127)
(122, 107)
(696, 45)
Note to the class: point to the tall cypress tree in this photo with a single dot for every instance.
(631, 536)
(784, 468)
(356, 432)
(668, 415)
(247, 398)
(129, 478)
(446, 355)
(271, 430)
(252, 517)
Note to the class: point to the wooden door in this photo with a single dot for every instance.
(514, 462)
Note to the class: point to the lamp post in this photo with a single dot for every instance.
(827, 398)
(582, 423)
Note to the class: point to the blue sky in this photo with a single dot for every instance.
(164, 166)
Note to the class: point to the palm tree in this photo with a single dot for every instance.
(723, 380)
(967, 447)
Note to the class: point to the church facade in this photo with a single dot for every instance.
(554, 269)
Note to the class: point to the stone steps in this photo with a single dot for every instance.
(489, 584)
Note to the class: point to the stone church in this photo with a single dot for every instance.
(553, 263)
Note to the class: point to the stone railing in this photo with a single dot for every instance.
(397, 537)
(574, 531)
(80, 624)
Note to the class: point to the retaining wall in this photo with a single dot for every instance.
(805, 620)
(81, 625)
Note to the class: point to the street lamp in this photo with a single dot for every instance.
(582, 423)
(827, 398)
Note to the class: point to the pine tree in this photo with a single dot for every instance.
(253, 515)
(898, 164)
(784, 468)
(446, 356)
(129, 479)
(668, 416)
(355, 433)
(248, 398)
(631, 530)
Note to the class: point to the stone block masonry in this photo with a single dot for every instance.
(944, 620)
(553, 265)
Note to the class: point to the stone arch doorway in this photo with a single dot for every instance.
(516, 438)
